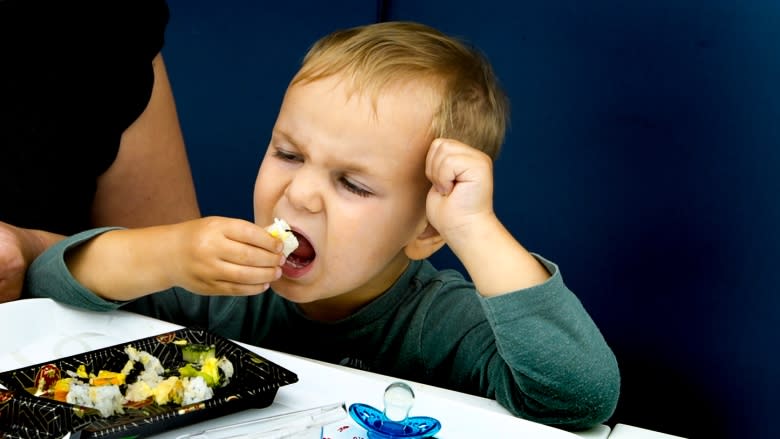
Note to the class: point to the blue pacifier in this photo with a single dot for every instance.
(394, 421)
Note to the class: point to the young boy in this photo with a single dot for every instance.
(381, 154)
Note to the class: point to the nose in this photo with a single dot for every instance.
(304, 190)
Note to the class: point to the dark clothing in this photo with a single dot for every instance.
(73, 77)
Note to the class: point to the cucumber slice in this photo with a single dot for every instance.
(197, 353)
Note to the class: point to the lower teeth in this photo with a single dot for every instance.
(294, 264)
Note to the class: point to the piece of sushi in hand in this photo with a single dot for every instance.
(281, 230)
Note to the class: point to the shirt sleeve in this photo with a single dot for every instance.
(48, 276)
(553, 363)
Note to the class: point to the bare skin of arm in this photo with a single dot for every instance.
(209, 256)
(149, 183)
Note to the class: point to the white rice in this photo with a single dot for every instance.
(138, 391)
(227, 369)
(151, 363)
(195, 390)
(106, 399)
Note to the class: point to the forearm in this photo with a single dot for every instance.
(552, 353)
(495, 261)
(535, 351)
(122, 265)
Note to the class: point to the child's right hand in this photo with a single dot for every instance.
(222, 256)
(209, 256)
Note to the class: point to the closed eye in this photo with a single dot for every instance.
(344, 181)
(355, 189)
(286, 156)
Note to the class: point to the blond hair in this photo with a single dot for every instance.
(473, 107)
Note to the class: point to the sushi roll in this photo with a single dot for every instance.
(153, 385)
(196, 390)
(108, 400)
(281, 230)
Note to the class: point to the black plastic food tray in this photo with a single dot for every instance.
(22, 414)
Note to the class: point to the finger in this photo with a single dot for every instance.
(232, 274)
(243, 254)
(449, 163)
(10, 289)
(433, 166)
(224, 288)
(11, 282)
(251, 234)
(429, 157)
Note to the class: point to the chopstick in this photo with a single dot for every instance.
(286, 425)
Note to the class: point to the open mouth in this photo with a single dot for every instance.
(303, 255)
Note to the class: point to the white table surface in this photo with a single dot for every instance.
(623, 431)
(38, 330)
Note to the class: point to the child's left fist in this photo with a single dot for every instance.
(462, 186)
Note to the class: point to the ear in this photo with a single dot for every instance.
(424, 244)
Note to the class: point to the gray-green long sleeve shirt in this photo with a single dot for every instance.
(536, 351)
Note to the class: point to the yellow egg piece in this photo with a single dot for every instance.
(81, 371)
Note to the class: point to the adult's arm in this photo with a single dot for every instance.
(150, 181)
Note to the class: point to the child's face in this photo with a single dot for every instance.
(351, 183)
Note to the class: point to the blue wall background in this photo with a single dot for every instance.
(642, 157)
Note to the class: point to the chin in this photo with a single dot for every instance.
(293, 293)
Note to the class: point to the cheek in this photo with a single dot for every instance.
(268, 187)
(352, 228)
(376, 231)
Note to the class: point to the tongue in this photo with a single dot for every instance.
(304, 250)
